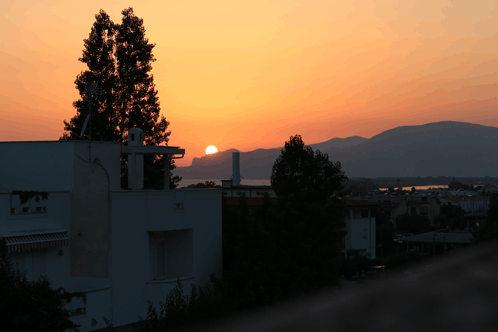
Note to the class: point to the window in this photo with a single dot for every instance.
(364, 233)
(241, 193)
(364, 213)
(171, 254)
(33, 263)
(12, 210)
(160, 266)
(424, 199)
(225, 193)
(77, 306)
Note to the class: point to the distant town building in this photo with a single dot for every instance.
(360, 227)
(229, 190)
(396, 205)
(470, 204)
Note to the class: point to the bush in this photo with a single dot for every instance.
(355, 263)
(408, 223)
(403, 259)
(32, 306)
(204, 305)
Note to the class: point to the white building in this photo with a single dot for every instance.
(120, 247)
(360, 227)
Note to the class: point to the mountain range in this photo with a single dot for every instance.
(446, 148)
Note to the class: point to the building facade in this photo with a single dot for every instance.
(360, 227)
(122, 247)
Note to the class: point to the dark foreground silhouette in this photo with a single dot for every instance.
(459, 293)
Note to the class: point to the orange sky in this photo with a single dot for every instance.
(248, 74)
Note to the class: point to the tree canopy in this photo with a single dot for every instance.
(409, 223)
(119, 57)
(309, 177)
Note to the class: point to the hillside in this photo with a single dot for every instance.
(441, 148)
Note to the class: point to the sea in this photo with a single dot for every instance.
(187, 182)
(434, 186)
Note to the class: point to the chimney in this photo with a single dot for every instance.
(136, 138)
(236, 169)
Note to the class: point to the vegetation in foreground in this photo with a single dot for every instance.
(32, 305)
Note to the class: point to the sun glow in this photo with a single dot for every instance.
(211, 149)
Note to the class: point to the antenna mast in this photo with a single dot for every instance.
(91, 90)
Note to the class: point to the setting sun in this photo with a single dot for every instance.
(211, 149)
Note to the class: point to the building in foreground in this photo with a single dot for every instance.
(122, 247)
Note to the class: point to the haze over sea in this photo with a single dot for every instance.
(185, 182)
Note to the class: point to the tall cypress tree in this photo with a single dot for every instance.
(120, 58)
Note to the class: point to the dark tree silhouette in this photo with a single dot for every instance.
(119, 58)
(488, 228)
(309, 177)
(31, 305)
(98, 55)
(408, 223)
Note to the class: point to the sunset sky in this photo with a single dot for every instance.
(248, 74)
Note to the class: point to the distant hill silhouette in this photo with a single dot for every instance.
(441, 148)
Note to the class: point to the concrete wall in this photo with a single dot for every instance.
(97, 305)
(55, 217)
(106, 154)
(46, 261)
(48, 165)
(38, 166)
(135, 214)
(89, 217)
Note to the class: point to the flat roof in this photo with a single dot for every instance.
(440, 237)
(68, 141)
(150, 149)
